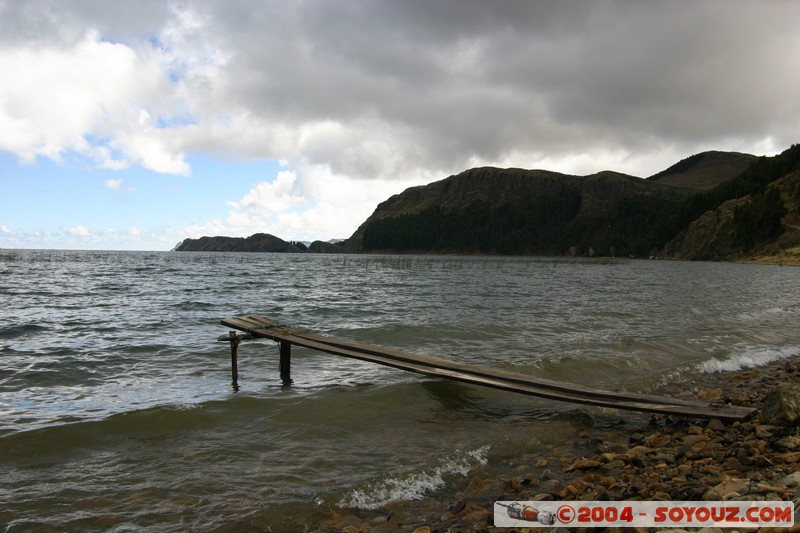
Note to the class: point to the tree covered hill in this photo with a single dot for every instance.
(514, 211)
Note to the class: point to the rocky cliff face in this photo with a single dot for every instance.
(718, 234)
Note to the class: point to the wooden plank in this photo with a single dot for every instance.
(266, 328)
(275, 328)
(497, 373)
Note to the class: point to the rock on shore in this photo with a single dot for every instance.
(669, 459)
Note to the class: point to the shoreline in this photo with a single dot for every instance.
(665, 458)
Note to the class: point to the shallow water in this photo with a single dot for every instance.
(117, 413)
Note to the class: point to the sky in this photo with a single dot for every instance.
(135, 124)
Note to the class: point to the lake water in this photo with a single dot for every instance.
(117, 412)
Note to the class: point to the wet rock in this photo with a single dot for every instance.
(552, 486)
(636, 438)
(732, 463)
(613, 465)
(726, 490)
(715, 425)
(638, 452)
(474, 512)
(519, 482)
(656, 440)
(791, 457)
(584, 464)
(423, 529)
(693, 439)
(664, 457)
(761, 488)
(782, 406)
(573, 489)
(764, 431)
(792, 480)
(607, 481)
(788, 444)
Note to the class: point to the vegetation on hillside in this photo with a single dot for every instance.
(553, 224)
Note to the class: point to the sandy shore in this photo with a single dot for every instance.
(662, 458)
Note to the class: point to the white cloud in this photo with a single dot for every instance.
(311, 203)
(80, 231)
(6, 230)
(117, 104)
(113, 184)
(268, 199)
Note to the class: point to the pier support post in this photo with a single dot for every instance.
(286, 362)
(234, 340)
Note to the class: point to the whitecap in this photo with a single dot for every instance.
(749, 357)
(415, 485)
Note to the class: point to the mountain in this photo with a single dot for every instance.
(710, 206)
(752, 201)
(705, 170)
(762, 226)
(260, 242)
(322, 247)
(516, 211)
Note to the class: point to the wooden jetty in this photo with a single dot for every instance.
(259, 327)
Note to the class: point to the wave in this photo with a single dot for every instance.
(769, 313)
(751, 357)
(20, 330)
(70, 433)
(416, 485)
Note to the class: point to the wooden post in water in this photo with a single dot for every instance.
(234, 340)
(286, 362)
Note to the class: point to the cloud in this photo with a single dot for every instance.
(113, 184)
(271, 198)
(377, 90)
(308, 203)
(360, 99)
(106, 101)
(80, 231)
(440, 85)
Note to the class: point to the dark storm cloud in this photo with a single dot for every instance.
(448, 82)
(488, 78)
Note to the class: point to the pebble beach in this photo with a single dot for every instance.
(660, 458)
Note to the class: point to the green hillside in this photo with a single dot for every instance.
(515, 211)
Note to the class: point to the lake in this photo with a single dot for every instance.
(117, 411)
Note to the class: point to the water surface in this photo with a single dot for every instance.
(117, 412)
